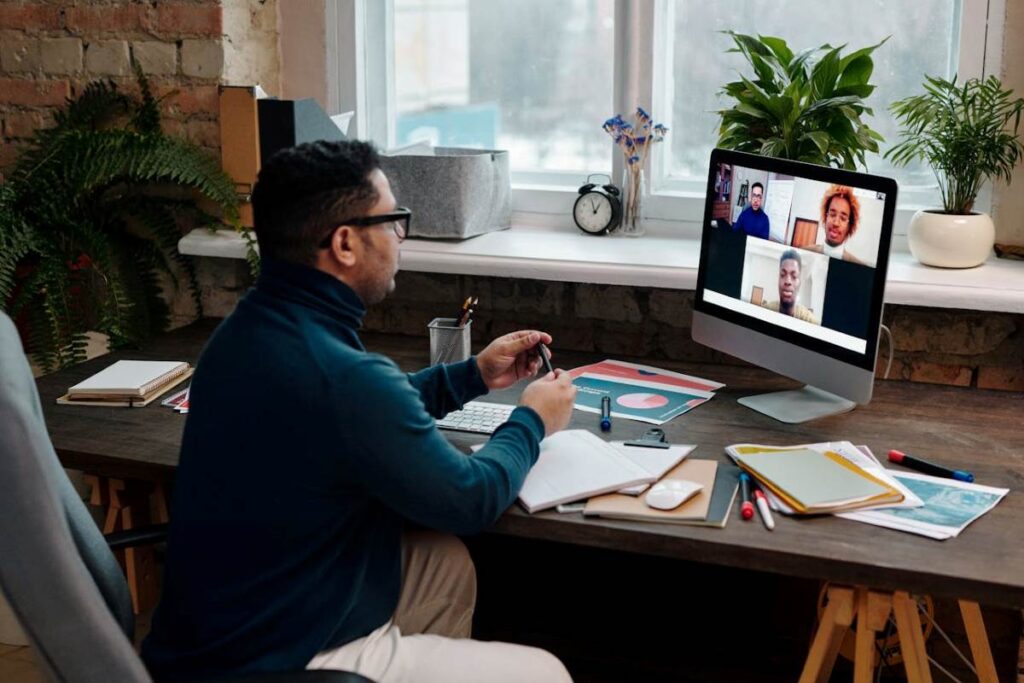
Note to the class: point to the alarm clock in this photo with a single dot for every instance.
(598, 209)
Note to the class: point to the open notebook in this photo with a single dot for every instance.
(128, 383)
(573, 465)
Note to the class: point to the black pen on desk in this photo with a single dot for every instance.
(901, 458)
(606, 413)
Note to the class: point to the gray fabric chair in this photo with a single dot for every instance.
(56, 568)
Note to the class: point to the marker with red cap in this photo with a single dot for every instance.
(747, 507)
(913, 463)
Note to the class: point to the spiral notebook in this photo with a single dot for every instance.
(128, 383)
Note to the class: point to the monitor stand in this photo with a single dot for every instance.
(800, 405)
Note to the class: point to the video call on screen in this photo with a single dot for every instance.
(794, 252)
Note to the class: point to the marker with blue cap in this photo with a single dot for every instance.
(606, 413)
(926, 467)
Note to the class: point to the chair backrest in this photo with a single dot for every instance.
(55, 567)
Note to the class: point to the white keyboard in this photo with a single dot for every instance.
(478, 417)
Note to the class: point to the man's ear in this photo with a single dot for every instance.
(346, 247)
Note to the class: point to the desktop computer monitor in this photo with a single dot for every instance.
(792, 272)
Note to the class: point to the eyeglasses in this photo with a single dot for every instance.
(399, 218)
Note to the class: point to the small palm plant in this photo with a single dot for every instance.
(89, 223)
(967, 134)
(798, 107)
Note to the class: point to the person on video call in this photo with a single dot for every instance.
(840, 213)
(753, 220)
(790, 267)
(316, 529)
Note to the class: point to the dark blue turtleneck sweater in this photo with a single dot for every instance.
(303, 455)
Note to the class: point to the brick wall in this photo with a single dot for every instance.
(50, 50)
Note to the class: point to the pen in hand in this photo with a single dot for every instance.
(544, 359)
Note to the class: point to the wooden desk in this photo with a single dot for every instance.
(976, 430)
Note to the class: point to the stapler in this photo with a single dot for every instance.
(653, 438)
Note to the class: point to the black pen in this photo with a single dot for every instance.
(920, 465)
(543, 351)
(606, 413)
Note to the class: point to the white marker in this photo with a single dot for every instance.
(762, 505)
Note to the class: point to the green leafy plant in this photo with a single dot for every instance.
(90, 217)
(966, 133)
(800, 107)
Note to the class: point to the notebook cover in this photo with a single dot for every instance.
(129, 378)
(620, 506)
(812, 479)
(123, 401)
(575, 464)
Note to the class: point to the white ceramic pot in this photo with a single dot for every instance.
(950, 240)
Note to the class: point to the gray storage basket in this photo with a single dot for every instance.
(455, 193)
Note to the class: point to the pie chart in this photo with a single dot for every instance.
(642, 401)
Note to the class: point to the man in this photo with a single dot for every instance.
(312, 470)
(840, 213)
(752, 220)
(790, 266)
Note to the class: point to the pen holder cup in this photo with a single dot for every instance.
(449, 343)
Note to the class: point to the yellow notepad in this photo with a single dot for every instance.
(813, 482)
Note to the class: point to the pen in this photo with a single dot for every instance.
(606, 413)
(901, 458)
(544, 353)
(762, 506)
(747, 508)
(462, 311)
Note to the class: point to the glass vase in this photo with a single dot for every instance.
(634, 191)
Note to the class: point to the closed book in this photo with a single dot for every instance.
(128, 378)
(813, 482)
(621, 506)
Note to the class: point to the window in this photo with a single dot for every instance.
(528, 76)
(538, 78)
(922, 40)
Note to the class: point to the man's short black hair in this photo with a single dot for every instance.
(304, 191)
(757, 184)
(791, 255)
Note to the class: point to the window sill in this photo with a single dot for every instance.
(541, 253)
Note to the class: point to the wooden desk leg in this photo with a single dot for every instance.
(981, 652)
(127, 505)
(908, 625)
(835, 621)
(872, 615)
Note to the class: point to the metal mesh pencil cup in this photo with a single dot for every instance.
(448, 342)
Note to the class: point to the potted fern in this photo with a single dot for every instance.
(90, 217)
(807, 106)
(967, 134)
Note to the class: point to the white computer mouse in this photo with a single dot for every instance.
(671, 493)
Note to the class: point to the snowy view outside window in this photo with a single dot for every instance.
(535, 77)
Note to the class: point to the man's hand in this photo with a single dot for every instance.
(510, 358)
(552, 397)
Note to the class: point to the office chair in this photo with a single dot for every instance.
(56, 568)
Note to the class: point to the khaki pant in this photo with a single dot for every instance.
(427, 639)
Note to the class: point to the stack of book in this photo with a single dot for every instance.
(807, 481)
(131, 383)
